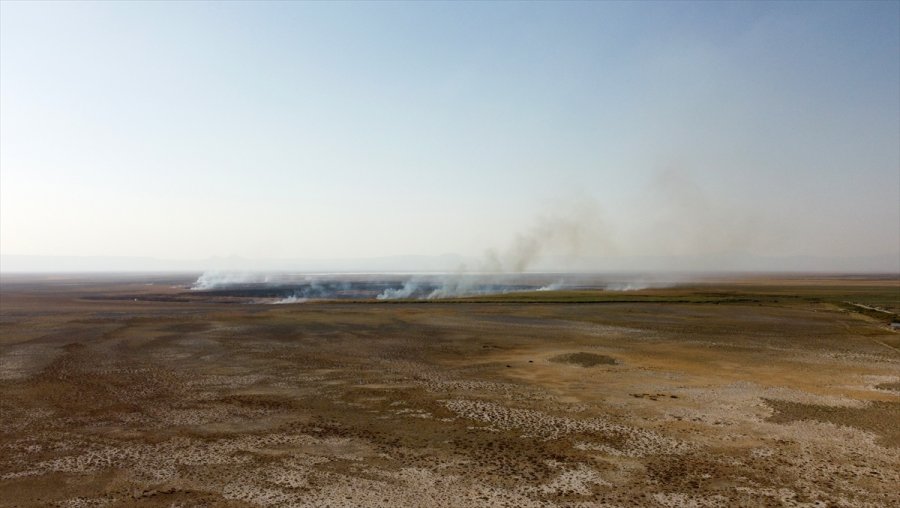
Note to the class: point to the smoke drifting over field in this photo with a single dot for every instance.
(457, 285)
(575, 231)
(224, 279)
(298, 288)
(287, 288)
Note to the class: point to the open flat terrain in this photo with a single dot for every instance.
(760, 392)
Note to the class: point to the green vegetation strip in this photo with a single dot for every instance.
(885, 299)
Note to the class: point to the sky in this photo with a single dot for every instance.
(289, 130)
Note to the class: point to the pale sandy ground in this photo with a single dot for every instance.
(123, 403)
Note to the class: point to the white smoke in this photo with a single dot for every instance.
(409, 287)
(291, 299)
(455, 285)
(629, 286)
(217, 280)
(556, 286)
(315, 288)
(646, 281)
(574, 230)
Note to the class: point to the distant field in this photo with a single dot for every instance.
(883, 295)
(743, 392)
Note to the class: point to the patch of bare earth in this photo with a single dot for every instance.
(584, 359)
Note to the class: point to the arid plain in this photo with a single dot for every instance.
(134, 391)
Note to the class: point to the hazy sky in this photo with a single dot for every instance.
(342, 130)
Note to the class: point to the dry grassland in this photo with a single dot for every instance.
(734, 393)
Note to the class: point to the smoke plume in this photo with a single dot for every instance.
(218, 279)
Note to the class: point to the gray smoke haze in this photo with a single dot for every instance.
(677, 217)
(435, 286)
(680, 217)
(575, 230)
(217, 279)
(408, 289)
(314, 289)
(683, 217)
